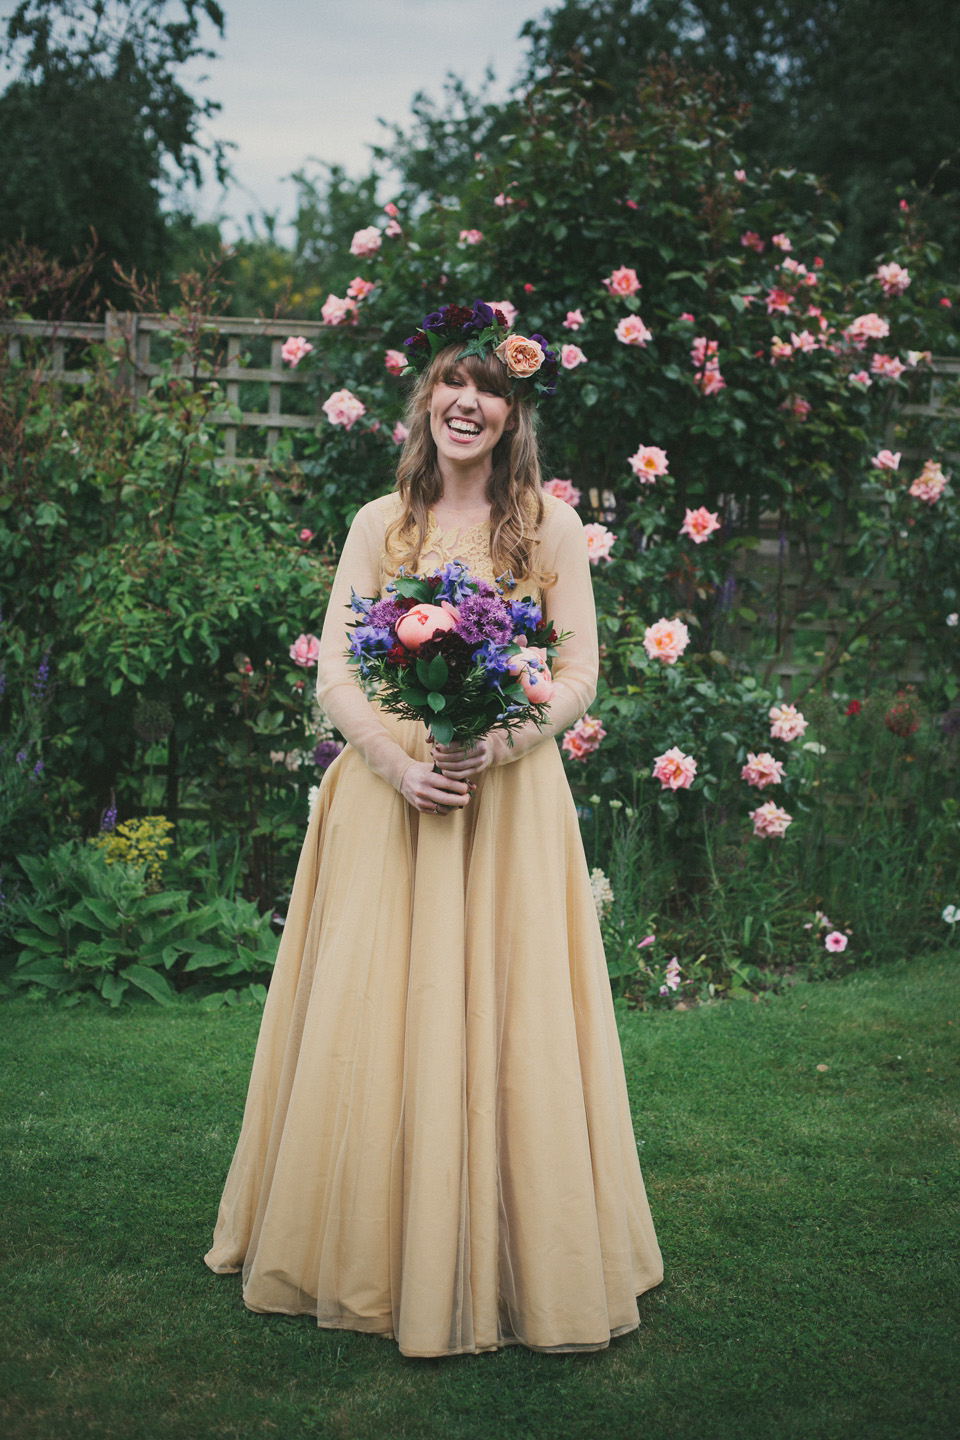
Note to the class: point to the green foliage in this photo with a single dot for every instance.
(95, 924)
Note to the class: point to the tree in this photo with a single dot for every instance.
(96, 127)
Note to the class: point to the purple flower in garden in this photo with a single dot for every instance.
(950, 722)
(525, 616)
(38, 769)
(3, 683)
(43, 675)
(20, 756)
(109, 821)
(483, 618)
(326, 752)
(385, 613)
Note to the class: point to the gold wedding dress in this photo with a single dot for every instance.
(437, 1143)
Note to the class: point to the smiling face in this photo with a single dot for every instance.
(467, 420)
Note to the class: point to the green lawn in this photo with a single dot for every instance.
(808, 1218)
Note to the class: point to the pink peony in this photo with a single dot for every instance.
(338, 312)
(305, 651)
(599, 542)
(305, 536)
(423, 622)
(674, 770)
(632, 331)
(770, 821)
(836, 942)
(860, 377)
(359, 288)
(788, 723)
(867, 327)
(891, 367)
(886, 460)
(399, 433)
(294, 349)
(762, 770)
(649, 462)
(751, 241)
(343, 408)
(583, 738)
(782, 242)
(893, 277)
(531, 669)
(623, 281)
(471, 237)
(395, 361)
(574, 320)
(562, 490)
(368, 241)
(508, 311)
(571, 356)
(666, 640)
(699, 524)
(929, 484)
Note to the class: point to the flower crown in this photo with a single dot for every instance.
(484, 327)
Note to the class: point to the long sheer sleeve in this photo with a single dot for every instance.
(569, 605)
(338, 692)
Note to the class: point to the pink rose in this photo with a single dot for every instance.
(891, 367)
(649, 462)
(710, 381)
(399, 433)
(867, 327)
(946, 302)
(795, 405)
(573, 321)
(305, 651)
(508, 311)
(471, 237)
(788, 723)
(583, 738)
(740, 175)
(521, 356)
(343, 408)
(770, 821)
(779, 301)
(666, 640)
(750, 240)
(562, 490)
(886, 460)
(782, 242)
(804, 341)
(780, 350)
(674, 770)
(860, 377)
(395, 361)
(571, 356)
(893, 277)
(762, 770)
(929, 484)
(531, 669)
(305, 536)
(391, 210)
(793, 267)
(367, 242)
(423, 622)
(294, 349)
(699, 524)
(392, 228)
(359, 288)
(599, 542)
(632, 331)
(702, 350)
(836, 942)
(338, 312)
(623, 281)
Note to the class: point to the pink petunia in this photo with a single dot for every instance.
(563, 490)
(343, 408)
(886, 460)
(674, 770)
(305, 651)
(762, 770)
(649, 462)
(836, 942)
(571, 356)
(293, 350)
(699, 524)
(632, 331)
(788, 723)
(666, 640)
(395, 361)
(574, 320)
(770, 821)
(600, 542)
(368, 241)
(623, 281)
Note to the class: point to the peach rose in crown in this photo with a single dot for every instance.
(530, 668)
(425, 622)
(521, 356)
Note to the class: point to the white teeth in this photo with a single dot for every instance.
(464, 427)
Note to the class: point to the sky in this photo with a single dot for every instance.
(310, 78)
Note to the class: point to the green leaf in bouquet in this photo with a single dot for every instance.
(436, 702)
(413, 695)
(408, 587)
(442, 729)
(437, 673)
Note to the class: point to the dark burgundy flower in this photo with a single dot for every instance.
(853, 708)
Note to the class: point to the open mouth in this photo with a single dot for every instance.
(464, 429)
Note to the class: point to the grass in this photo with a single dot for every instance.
(808, 1218)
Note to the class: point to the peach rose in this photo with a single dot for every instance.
(762, 770)
(674, 770)
(699, 524)
(788, 723)
(600, 542)
(530, 668)
(623, 281)
(666, 640)
(424, 622)
(770, 821)
(305, 651)
(562, 490)
(521, 356)
(632, 331)
(649, 462)
(294, 349)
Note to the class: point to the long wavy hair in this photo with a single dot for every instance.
(514, 491)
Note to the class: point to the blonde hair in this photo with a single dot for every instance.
(514, 491)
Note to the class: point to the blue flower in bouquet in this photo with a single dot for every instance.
(494, 661)
(484, 617)
(456, 582)
(358, 604)
(525, 616)
(367, 642)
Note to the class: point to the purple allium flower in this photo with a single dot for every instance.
(383, 614)
(43, 675)
(326, 752)
(525, 616)
(109, 821)
(483, 618)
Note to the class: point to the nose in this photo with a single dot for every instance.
(467, 398)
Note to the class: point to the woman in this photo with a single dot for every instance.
(437, 1143)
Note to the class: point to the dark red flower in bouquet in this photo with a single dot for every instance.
(902, 718)
(853, 708)
(455, 650)
(399, 655)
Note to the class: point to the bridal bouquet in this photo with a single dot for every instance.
(452, 651)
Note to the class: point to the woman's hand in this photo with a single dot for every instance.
(461, 762)
(430, 792)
